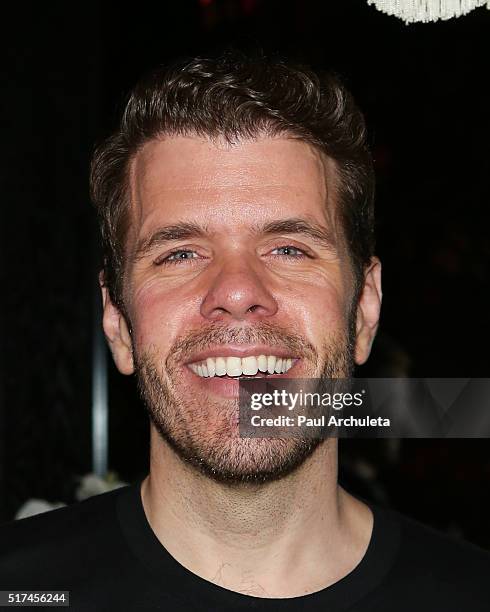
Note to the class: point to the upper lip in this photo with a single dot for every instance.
(230, 350)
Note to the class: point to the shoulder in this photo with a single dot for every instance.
(437, 567)
(41, 545)
(58, 524)
(440, 550)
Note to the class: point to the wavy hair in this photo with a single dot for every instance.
(235, 96)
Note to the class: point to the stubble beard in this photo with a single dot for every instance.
(203, 431)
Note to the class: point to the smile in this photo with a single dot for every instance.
(241, 366)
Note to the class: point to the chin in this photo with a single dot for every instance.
(230, 459)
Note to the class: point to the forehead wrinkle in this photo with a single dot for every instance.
(143, 174)
(217, 163)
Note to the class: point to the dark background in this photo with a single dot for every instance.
(67, 69)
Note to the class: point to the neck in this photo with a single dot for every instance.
(285, 538)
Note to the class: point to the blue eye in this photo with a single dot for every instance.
(175, 257)
(180, 256)
(290, 248)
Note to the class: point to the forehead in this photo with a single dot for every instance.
(179, 178)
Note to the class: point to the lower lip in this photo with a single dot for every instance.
(229, 387)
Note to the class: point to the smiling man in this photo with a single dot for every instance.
(236, 206)
(226, 241)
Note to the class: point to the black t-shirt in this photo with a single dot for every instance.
(105, 553)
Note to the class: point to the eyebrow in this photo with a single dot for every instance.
(320, 234)
(184, 230)
(169, 233)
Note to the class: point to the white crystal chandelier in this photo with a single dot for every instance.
(412, 11)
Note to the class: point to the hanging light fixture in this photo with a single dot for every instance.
(412, 11)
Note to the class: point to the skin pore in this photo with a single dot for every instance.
(233, 283)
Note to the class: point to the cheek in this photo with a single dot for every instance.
(321, 313)
(157, 316)
(320, 306)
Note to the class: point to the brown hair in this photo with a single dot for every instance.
(234, 96)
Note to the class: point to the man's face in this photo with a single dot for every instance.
(235, 255)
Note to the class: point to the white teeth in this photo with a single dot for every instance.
(250, 366)
(220, 366)
(210, 363)
(262, 363)
(271, 364)
(233, 366)
(236, 366)
(278, 369)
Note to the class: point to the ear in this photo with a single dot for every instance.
(116, 332)
(368, 310)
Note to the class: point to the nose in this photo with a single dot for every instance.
(238, 293)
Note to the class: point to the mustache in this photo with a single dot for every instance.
(222, 334)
